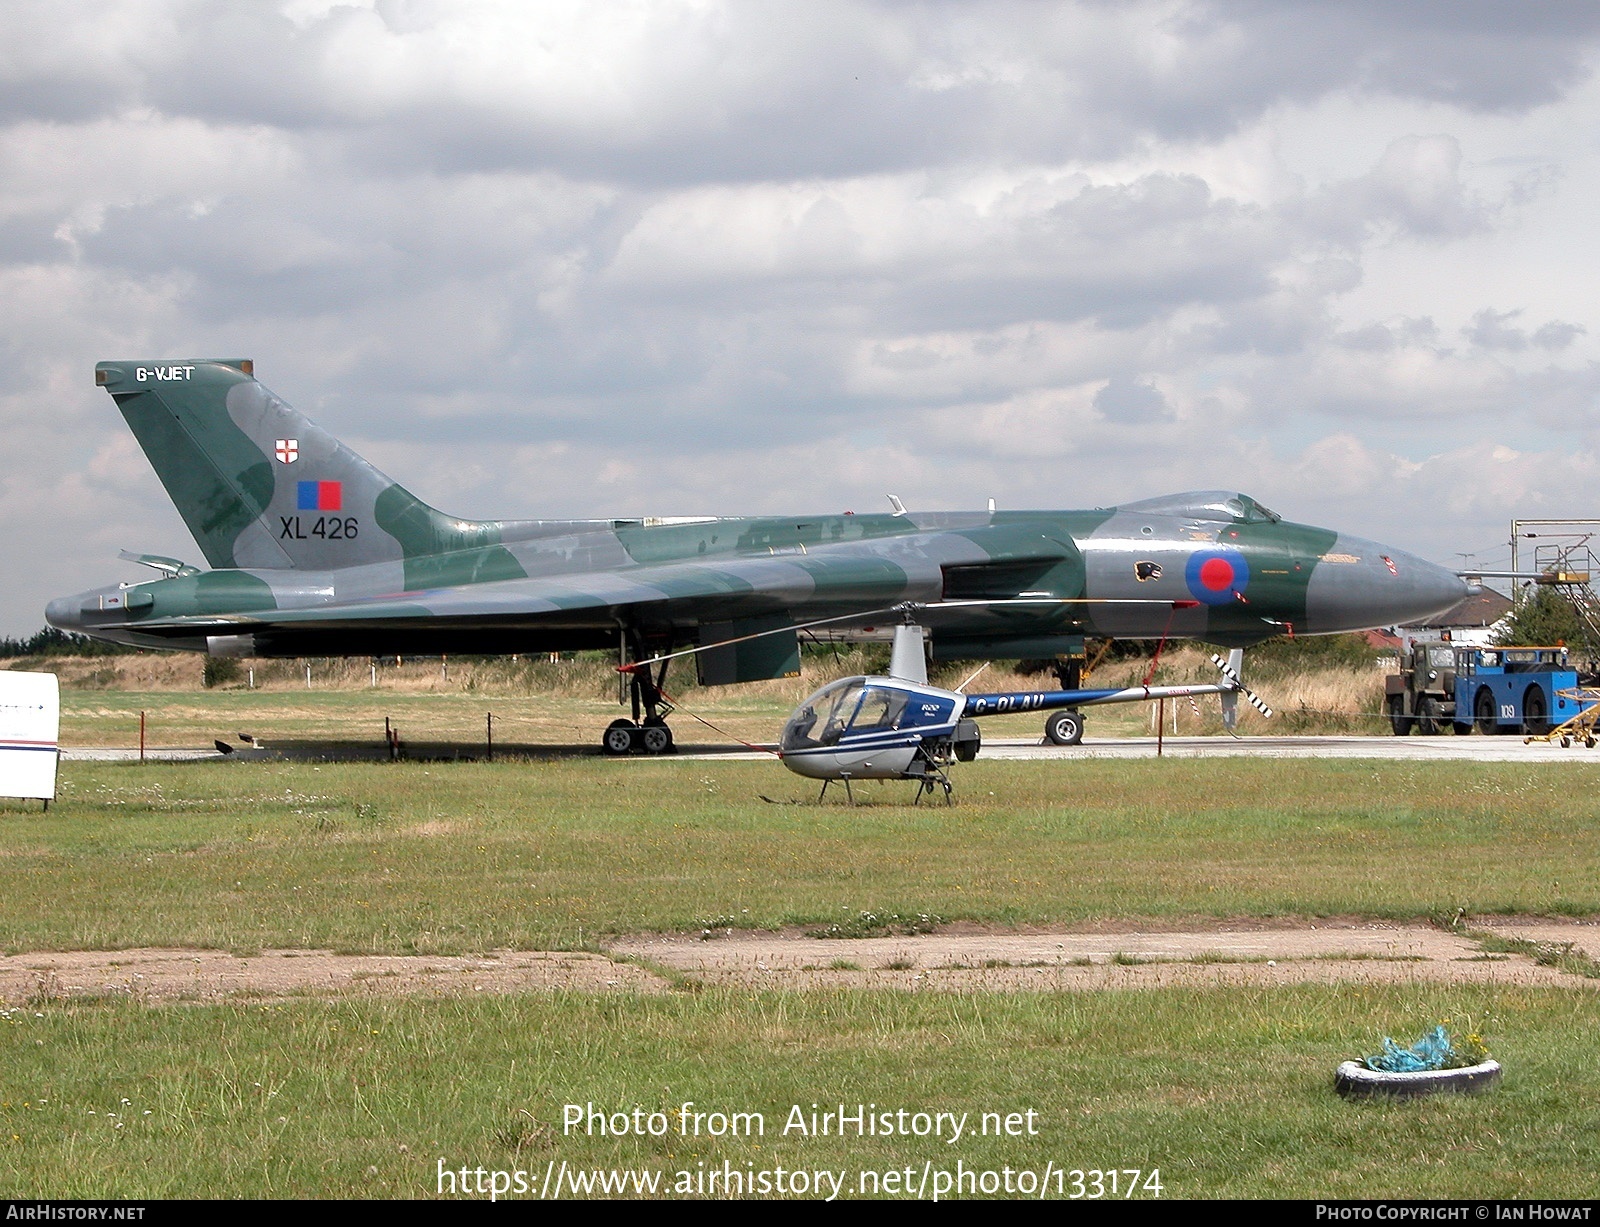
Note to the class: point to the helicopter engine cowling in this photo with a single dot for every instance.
(966, 741)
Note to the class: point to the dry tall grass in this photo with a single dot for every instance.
(1307, 696)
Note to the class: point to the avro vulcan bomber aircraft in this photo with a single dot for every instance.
(313, 552)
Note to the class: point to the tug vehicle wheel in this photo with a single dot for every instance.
(1535, 713)
(1429, 723)
(1401, 723)
(1484, 712)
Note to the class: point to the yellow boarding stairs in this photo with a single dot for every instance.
(1582, 726)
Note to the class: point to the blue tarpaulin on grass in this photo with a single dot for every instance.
(1431, 1052)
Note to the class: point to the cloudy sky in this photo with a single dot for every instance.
(607, 258)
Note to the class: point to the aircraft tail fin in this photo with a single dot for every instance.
(260, 485)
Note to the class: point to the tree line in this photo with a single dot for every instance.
(51, 642)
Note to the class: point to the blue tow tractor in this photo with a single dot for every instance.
(1526, 690)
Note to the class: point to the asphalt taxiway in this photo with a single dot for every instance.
(1406, 749)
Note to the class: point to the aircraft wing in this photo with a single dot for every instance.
(671, 594)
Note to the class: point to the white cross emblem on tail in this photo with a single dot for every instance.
(288, 450)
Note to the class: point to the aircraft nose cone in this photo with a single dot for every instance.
(1361, 584)
(62, 613)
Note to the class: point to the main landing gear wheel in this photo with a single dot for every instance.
(619, 737)
(655, 737)
(649, 734)
(1064, 728)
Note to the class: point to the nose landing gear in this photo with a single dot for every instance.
(655, 737)
(1065, 728)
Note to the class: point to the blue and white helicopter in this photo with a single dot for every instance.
(898, 727)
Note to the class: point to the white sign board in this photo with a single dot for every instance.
(30, 725)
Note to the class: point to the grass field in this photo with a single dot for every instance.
(1228, 1094)
(439, 857)
(1226, 1090)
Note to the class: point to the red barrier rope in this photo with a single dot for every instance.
(749, 745)
(1156, 659)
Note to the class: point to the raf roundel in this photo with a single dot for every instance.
(1218, 576)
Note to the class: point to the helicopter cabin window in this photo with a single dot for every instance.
(880, 708)
(854, 705)
(823, 718)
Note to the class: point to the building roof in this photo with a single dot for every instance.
(1482, 608)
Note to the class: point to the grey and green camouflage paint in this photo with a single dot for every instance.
(313, 552)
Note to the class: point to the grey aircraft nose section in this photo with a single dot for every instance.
(1358, 580)
(62, 613)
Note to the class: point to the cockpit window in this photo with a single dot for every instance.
(1255, 513)
(823, 718)
(1222, 505)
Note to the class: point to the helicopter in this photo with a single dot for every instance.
(900, 727)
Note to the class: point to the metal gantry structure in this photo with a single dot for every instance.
(1564, 556)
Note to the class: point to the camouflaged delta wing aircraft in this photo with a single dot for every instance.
(313, 552)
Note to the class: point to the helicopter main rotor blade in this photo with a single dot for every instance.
(1051, 600)
(777, 630)
(907, 608)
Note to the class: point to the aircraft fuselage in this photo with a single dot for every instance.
(1225, 582)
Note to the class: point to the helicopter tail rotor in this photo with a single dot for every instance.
(1232, 669)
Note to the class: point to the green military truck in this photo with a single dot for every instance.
(1421, 698)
